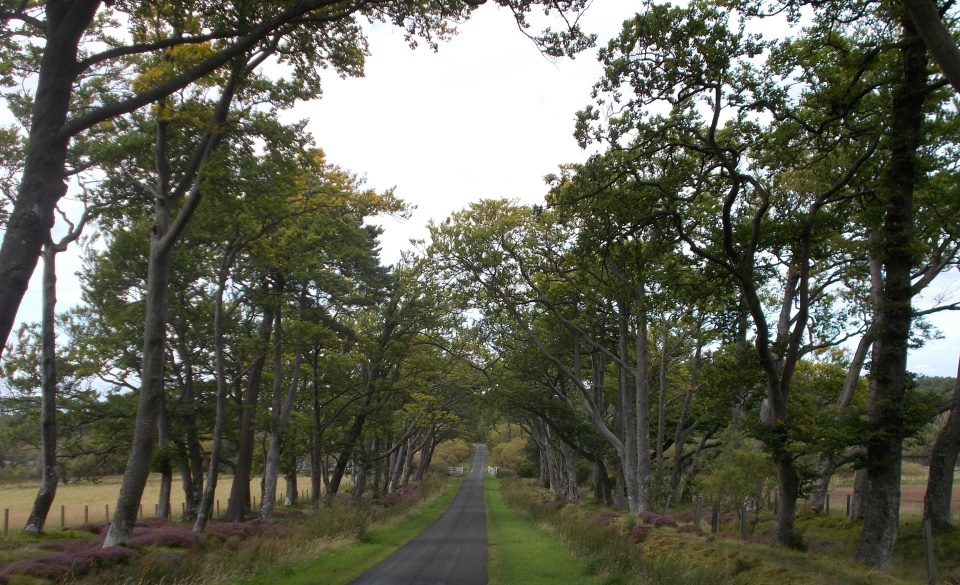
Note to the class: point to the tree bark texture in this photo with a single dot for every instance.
(150, 400)
(881, 504)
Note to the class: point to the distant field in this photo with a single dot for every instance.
(911, 499)
(89, 502)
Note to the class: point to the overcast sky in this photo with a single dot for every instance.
(487, 116)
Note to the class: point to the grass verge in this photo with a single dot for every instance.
(338, 565)
(521, 551)
(649, 548)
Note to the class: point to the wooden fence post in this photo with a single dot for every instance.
(86, 514)
(697, 515)
(715, 524)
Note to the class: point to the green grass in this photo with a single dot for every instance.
(523, 552)
(340, 565)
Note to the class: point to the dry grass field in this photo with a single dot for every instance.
(83, 503)
(911, 499)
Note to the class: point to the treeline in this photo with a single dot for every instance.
(757, 204)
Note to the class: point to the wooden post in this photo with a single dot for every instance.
(218, 509)
(698, 512)
(715, 524)
(848, 505)
(63, 517)
(928, 548)
(86, 514)
(106, 512)
(6, 521)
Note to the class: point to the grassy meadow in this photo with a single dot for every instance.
(89, 502)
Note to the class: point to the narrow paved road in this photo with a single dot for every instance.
(452, 551)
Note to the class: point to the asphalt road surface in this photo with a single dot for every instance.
(451, 551)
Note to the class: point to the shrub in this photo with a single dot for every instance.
(662, 521)
(173, 536)
(78, 563)
(605, 518)
(638, 534)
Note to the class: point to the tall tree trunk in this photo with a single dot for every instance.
(396, 463)
(205, 507)
(601, 484)
(889, 364)
(569, 471)
(627, 417)
(349, 442)
(425, 453)
(239, 503)
(150, 402)
(191, 468)
(166, 464)
(279, 419)
(316, 435)
(642, 393)
(408, 460)
(943, 463)
(662, 398)
(292, 492)
(49, 475)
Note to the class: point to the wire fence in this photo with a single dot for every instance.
(65, 517)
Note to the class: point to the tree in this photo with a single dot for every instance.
(50, 477)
